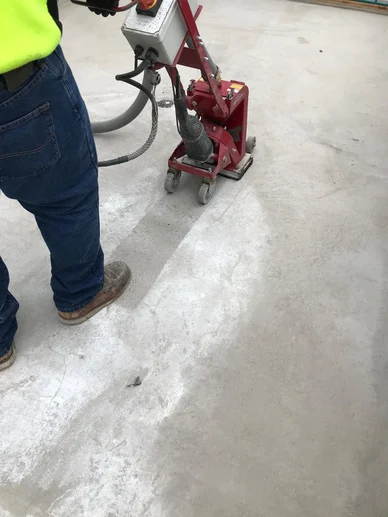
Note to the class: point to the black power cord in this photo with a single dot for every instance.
(126, 78)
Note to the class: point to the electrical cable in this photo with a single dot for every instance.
(177, 92)
(125, 7)
(154, 126)
(138, 70)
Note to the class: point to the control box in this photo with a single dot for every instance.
(164, 33)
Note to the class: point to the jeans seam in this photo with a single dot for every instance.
(9, 303)
(72, 99)
(94, 162)
(7, 349)
(52, 139)
(54, 68)
(33, 114)
(101, 280)
(79, 307)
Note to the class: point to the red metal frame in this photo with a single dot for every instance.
(221, 105)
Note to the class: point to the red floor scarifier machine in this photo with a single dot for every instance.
(164, 34)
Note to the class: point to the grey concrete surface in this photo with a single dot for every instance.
(259, 324)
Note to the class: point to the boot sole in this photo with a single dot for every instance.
(10, 361)
(78, 321)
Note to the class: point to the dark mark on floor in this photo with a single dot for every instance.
(136, 383)
(165, 103)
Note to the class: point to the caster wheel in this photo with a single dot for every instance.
(172, 180)
(251, 144)
(206, 192)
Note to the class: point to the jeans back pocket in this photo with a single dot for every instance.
(28, 145)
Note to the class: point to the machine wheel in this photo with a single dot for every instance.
(172, 180)
(251, 144)
(206, 192)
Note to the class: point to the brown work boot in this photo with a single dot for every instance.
(117, 278)
(8, 359)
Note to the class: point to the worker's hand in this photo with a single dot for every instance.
(104, 4)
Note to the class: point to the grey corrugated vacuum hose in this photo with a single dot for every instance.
(132, 112)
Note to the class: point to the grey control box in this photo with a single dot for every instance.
(164, 33)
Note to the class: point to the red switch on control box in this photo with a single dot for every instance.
(146, 4)
(147, 7)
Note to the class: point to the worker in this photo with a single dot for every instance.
(48, 163)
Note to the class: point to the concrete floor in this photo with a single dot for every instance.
(259, 324)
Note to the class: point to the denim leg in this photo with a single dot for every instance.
(8, 309)
(71, 232)
(49, 164)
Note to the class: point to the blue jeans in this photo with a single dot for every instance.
(48, 163)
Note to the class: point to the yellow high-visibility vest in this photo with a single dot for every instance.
(27, 33)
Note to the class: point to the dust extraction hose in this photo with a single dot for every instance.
(149, 94)
(106, 126)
